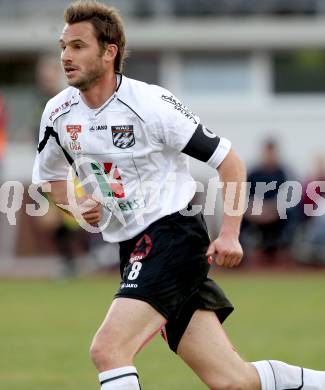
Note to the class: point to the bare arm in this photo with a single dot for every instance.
(59, 192)
(90, 209)
(226, 247)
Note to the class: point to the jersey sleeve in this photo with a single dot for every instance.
(51, 164)
(181, 129)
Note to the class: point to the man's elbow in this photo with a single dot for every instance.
(232, 161)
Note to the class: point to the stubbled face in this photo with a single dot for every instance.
(81, 56)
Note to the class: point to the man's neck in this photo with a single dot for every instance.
(100, 92)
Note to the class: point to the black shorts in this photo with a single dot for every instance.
(166, 266)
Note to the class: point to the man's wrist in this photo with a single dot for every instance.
(233, 231)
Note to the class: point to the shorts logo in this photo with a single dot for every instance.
(142, 249)
(73, 130)
(129, 285)
(123, 136)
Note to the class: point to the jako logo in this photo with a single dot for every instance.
(98, 128)
(129, 285)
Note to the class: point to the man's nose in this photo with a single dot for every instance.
(66, 55)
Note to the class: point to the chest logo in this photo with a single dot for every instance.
(74, 130)
(98, 128)
(123, 136)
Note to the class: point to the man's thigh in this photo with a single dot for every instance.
(205, 347)
(128, 325)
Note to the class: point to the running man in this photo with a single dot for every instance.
(129, 134)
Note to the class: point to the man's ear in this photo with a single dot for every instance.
(110, 52)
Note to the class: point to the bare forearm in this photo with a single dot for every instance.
(226, 247)
(86, 205)
(232, 170)
(58, 192)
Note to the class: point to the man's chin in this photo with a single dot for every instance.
(82, 84)
(75, 83)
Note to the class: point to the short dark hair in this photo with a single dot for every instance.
(270, 144)
(107, 24)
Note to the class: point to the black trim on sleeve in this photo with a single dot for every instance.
(47, 135)
(49, 132)
(202, 145)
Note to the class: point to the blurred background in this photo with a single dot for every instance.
(254, 71)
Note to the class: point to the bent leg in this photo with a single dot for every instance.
(206, 348)
(128, 325)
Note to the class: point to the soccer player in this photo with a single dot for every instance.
(127, 134)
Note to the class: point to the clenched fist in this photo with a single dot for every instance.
(91, 209)
(226, 250)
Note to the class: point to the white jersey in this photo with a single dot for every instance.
(128, 151)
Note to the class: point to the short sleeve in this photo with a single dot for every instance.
(50, 162)
(175, 124)
(181, 129)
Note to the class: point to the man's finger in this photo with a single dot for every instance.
(211, 250)
(227, 261)
(235, 261)
(91, 217)
(220, 259)
(91, 220)
(92, 212)
(89, 204)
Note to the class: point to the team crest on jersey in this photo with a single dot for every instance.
(74, 130)
(123, 136)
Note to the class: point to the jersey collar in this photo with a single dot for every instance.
(128, 93)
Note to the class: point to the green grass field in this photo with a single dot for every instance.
(46, 329)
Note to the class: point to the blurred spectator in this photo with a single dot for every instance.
(49, 82)
(69, 238)
(318, 174)
(310, 241)
(266, 236)
(3, 133)
(3, 140)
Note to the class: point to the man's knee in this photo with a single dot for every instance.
(107, 352)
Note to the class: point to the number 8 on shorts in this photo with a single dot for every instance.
(134, 273)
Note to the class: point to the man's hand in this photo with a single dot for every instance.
(86, 206)
(226, 248)
(227, 251)
(91, 209)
